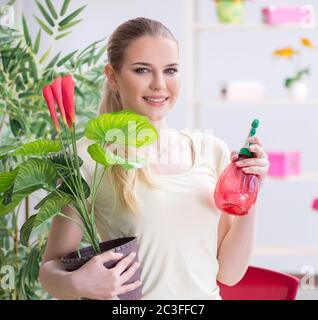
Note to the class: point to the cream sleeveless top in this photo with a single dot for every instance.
(177, 224)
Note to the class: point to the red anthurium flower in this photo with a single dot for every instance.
(68, 86)
(57, 92)
(48, 96)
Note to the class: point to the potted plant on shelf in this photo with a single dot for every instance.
(54, 166)
(230, 11)
(296, 84)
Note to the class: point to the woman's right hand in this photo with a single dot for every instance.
(94, 281)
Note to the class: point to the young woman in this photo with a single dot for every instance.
(185, 243)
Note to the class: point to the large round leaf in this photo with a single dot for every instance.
(107, 158)
(35, 174)
(38, 147)
(122, 127)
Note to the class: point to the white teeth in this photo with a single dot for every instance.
(155, 100)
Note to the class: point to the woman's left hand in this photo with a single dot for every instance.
(258, 165)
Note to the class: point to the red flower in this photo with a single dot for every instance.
(68, 86)
(48, 96)
(56, 87)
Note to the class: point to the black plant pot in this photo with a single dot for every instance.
(125, 246)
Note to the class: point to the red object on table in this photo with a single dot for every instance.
(261, 284)
(315, 204)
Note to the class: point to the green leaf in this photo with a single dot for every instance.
(27, 94)
(7, 180)
(38, 147)
(35, 174)
(51, 8)
(45, 55)
(69, 25)
(37, 42)
(70, 185)
(52, 63)
(7, 196)
(42, 201)
(17, 126)
(7, 208)
(107, 158)
(49, 209)
(45, 14)
(6, 150)
(100, 155)
(70, 17)
(289, 82)
(25, 231)
(90, 47)
(62, 35)
(33, 69)
(61, 163)
(66, 58)
(303, 72)
(66, 3)
(26, 32)
(122, 127)
(43, 26)
(85, 81)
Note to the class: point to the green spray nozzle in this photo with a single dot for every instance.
(245, 151)
(254, 126)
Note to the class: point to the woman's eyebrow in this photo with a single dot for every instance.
(149, 64)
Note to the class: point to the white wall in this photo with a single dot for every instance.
(285, 217)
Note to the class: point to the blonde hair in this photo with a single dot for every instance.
(122, 180)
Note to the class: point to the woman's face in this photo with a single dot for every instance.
(148, 81)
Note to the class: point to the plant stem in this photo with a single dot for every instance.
(3, 120)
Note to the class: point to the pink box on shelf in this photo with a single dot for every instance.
(283, 164)
(300, 15)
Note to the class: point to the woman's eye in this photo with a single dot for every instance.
(171, 70)
(141, 70)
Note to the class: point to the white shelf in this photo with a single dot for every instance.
(219, 103)
(303, 177)
(296, 250)
(251, 27)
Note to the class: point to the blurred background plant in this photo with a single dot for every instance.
(294, 56)
(24, 70)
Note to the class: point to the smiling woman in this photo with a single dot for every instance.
(185, 244)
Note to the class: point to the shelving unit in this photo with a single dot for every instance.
(194, 27)
(199, 27)
(262, 103)
(194, 107)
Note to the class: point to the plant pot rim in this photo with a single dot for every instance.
(70, 259)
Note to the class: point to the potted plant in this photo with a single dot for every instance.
(297, 84)
(54, 166)
(230, 11)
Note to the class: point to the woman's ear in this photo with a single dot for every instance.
(111, 77)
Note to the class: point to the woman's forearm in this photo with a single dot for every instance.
(57, 282)
(236, 249)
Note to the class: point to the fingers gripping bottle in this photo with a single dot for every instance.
(236, 191)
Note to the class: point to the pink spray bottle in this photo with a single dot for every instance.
(236, 191)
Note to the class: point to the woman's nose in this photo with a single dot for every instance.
(158, 82)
